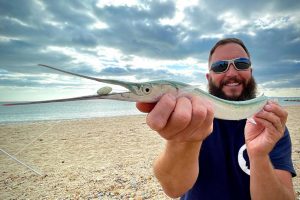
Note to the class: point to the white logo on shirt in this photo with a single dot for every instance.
(242, 161)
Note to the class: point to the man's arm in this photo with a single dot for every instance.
(269, 183)
(265, 181)
(184, 123)
(177, 167)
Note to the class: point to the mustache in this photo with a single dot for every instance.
(249, 91)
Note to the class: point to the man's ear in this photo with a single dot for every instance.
(207, 76)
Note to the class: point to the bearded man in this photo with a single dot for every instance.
(208, 158)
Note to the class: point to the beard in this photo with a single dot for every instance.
(248, 92)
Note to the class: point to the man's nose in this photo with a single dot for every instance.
(231, 70)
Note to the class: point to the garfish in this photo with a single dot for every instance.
(152, 91)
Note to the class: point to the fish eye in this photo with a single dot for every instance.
(146, 89)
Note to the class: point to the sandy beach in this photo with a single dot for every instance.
(99, 158)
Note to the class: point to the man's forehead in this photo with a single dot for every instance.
(228, 51)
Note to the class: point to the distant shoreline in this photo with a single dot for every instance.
(67, 120)
(93, 117)
(296, 100)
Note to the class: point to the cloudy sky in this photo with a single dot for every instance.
(140, 41)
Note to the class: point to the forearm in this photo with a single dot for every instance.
(177, 167)
(264, 183)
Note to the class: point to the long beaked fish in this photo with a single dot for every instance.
(152, 91)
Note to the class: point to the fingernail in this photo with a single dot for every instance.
(268, 107)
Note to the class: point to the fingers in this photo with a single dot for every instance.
(159, 116)
(268, 126)
(269, 119)
(184, 119)
(202, 119)
(179, 119)
(277, 110)
(272, 117)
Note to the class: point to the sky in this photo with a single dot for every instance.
(140, 41)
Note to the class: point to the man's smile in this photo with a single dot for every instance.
(232, 84)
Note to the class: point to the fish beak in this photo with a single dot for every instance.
(128, 85)
(138, 92)
(123, 96)
(103, 93)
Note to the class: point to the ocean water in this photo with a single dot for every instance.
(66, 110)
(78, 110)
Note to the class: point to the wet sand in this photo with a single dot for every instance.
(100, 158)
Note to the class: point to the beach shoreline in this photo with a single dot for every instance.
(66, 120)
(95, 158)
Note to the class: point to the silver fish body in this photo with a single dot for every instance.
(232, 110)
(151, 92)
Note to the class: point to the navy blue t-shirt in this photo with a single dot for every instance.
(224, 163)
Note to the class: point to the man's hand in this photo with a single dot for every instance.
(185, 119)
(184, 122)
(262, 137)
(267, 182)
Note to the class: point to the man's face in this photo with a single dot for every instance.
(232, 84)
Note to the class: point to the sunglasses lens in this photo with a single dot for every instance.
(242, 63)
(219, 67)
(222, 66)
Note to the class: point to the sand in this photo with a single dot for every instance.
(100, 158)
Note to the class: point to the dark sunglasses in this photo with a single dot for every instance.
(223, 65)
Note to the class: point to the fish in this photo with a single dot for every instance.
(231, 110)
(152, 91)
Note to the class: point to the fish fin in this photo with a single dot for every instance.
(251, 120)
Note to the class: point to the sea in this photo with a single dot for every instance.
(66, 110)
(80, 110)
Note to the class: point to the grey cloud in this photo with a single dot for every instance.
(82, 38)
(72, 18)
(282, 83)
(288, 5)
(204, 20)
(76, 13)
(19, 10)
(278, 75)
(154, 10)
(12, 28)
(131, 29)
(137, 31)
(121, 73)
(11, 79)
(115, 71)
(275, 44)
(247, 8)
(16, 53)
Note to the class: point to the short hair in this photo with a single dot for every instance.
(226, 41)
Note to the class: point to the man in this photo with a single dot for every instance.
(207, 158)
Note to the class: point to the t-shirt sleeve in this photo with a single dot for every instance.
(281, 155)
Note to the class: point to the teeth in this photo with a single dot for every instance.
(232, 84)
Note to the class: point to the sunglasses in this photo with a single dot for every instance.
(223, 65)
